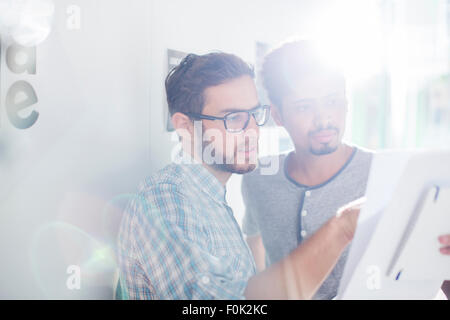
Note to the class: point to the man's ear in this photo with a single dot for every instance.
(276, 115)
(183, 126)
(180, 121)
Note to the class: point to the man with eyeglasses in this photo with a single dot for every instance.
(178, 238)
(319, 176)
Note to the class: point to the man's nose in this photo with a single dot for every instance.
(252, 125)
(322, 116)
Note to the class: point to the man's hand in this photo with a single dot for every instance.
(445, 241)
(302, 272)
(445, 249)
(347, 218)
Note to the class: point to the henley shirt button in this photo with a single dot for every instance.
(308, 193)
(304, 213)
(205, 280)
(303, 233)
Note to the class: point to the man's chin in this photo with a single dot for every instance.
(236, 168)
(323, 150)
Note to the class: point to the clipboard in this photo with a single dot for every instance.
(395, 251)
(417, 255)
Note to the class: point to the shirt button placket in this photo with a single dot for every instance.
(304, 213)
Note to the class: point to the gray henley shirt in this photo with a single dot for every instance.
(285, 213)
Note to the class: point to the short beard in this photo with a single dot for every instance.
(326, 149)
(233, 168)
(225, 166)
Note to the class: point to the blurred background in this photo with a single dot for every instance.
(83, 117)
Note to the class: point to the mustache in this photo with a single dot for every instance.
(320, 130)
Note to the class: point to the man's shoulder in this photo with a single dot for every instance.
(145, 205)
(363, 156)
(171, 176)
(158, 193)
(356, 173)
(364, 151)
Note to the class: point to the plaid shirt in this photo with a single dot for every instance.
(179, 239)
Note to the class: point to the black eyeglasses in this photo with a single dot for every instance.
(238, 121)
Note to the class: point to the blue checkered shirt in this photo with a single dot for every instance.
(179, 239)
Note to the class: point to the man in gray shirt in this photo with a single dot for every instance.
(285, 207)
(283, 213)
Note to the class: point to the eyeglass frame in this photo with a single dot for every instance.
(249, 112)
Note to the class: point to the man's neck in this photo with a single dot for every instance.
(311, 170)
(220, 175)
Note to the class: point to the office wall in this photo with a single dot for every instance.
(100, 97)
(64, 177)
(201, 26)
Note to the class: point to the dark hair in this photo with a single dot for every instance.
(292, 61)
(186, 83)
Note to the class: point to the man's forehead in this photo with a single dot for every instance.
(236, 94)
(313, 87)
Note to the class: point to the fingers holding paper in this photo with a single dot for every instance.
(348, 217)
(444, 240)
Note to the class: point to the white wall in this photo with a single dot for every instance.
(201, 26)
(101, 127)
(87, 150)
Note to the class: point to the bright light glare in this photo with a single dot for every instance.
(349, 35)
(28, 22)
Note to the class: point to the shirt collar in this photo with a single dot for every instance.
(201, 177)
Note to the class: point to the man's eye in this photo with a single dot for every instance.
(235, 117)
(303, 107)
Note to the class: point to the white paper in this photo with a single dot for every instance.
(396, 182)
(386, 169)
